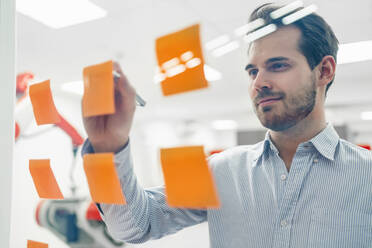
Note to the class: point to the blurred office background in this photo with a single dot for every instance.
(218, 117)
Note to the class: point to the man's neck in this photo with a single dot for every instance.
(287, 141)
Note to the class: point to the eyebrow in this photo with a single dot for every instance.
(270, 60)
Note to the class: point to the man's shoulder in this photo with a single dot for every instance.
(355, 152)
(237, 154)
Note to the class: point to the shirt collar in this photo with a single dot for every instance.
(325, 142)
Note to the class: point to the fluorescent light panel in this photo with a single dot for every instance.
(268, 29)
(219, 41)
(286, 9)
(231, 46)
(211, 74)
(224, 124)
(299, 14)
(243, 30)
(366, 116)
(58, 14)
(75, 87)
(354, 52)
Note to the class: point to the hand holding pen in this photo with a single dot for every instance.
(139, 100)
(109, 133)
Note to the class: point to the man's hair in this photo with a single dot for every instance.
(317, 38)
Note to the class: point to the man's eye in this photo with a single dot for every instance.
(278, 66)
(252, 72)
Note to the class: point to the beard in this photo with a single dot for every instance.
(296, 107)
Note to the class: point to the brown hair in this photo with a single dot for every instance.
(317, 37)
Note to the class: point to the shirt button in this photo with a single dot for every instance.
(283, 177)
(316, 160)
(283, 223)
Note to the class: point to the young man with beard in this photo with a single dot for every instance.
(302, 186)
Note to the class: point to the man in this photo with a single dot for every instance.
(300, 187)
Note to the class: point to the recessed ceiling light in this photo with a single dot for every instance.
(219, 41)
(366, 116)
(59, 14)
(243, 30)
(224, 124)
(231, 46)
(260, 33)
(75, 87)
(299, 14)
(354, 52)
(286, 9)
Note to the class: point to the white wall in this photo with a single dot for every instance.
(7, 97)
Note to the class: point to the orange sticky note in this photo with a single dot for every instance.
(98, 98)
(103, 181)
(45, 111)
(181, 61)
(44, 180)
(34, 244)
(188, 180)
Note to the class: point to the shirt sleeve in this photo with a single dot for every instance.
(146, 214)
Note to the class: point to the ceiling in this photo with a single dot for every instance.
(128, 32)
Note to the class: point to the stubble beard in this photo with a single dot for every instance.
(296, 108)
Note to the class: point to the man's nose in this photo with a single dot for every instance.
(261, 81)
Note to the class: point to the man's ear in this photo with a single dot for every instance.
(327, 70)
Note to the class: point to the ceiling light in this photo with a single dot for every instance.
(224, 124)
(75, 87)
(159, 77)
(225, 49)
(187, 56)
(219, 41)
(59, 14)
(170, 63)
(211, 74)
(175, 70)
(268, 29)
(193, 63)
(354, 52)
(299, 14)
(286, 9)
(243, 30)
(366, 116)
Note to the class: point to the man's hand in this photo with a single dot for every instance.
(108, 133)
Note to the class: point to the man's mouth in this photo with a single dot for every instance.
(268, 101)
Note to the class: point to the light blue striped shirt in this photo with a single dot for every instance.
(325, 200)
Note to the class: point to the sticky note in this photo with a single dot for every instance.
(98, 98)
(44, 180)
(188, 179)
(45, 111)
(34, 244)
(181, 62)
(103, 181)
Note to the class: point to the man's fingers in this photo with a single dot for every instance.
(122, 83)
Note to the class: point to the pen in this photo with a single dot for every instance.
(139, 100)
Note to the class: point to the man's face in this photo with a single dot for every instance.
(282, 85)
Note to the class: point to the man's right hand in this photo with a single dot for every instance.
(108, 133)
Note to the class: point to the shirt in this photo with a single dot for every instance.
(325, 200)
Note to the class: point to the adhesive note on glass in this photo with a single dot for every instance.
(34, 244)
(188, 180)
(44, 180)
(98, 98)
(180, 60)
(103, 181)
(45, 111)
